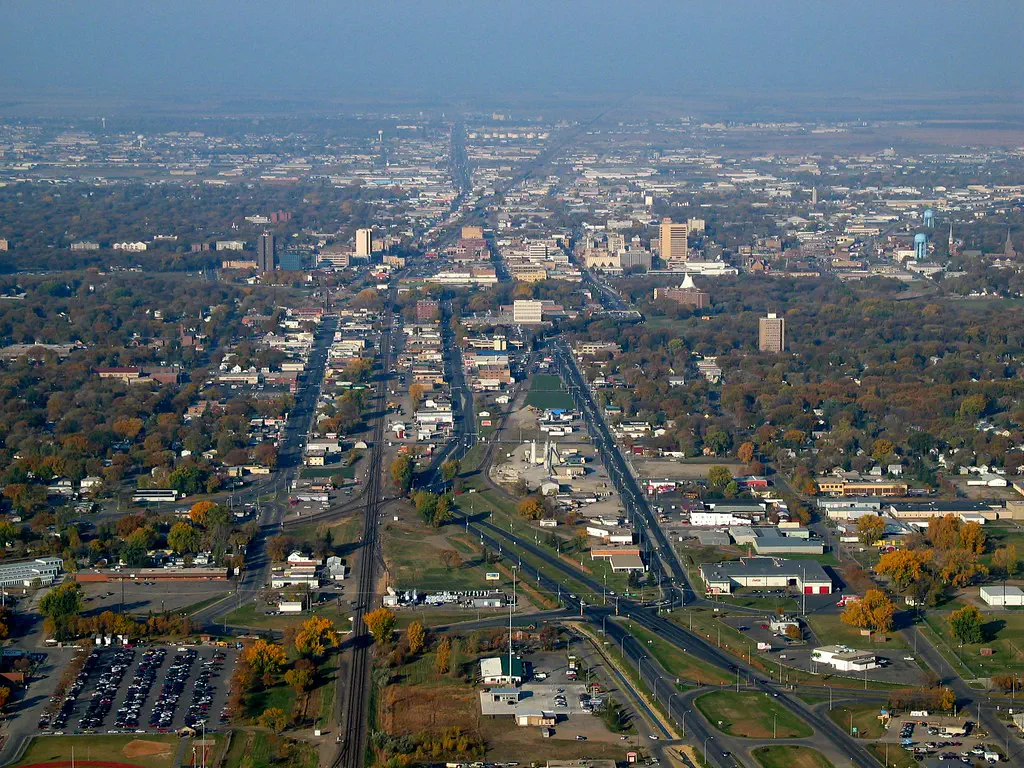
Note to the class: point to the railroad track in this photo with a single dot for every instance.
(356, 697)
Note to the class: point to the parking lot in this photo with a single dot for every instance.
(939, 737)
(162, 689)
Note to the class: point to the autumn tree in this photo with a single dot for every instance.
(944, 532)
(874, 611)
(401, 473)
(183, 538)
(264, 658)
(381, 624)
(273, 719)
(316, 635)
(904, 566)
(450, 469)
(442, 658)
(5, 696)
(416, 392)
(199, 510)
(1005, 560)
(745, 452)
(793, 632)
(960, 567)
(973, 538)
(531, 508)
(965, 624)
(882, 449)
(450, 559)
(870, 528)
(415, 635)
(300, 679)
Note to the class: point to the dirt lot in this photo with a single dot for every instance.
(415, 708)
(670, 469)
(507, 741)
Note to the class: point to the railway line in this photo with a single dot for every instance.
(357, 694)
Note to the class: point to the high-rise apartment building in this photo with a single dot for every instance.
(266, 249)
(673, 241)
(364, 243)
(772, 333)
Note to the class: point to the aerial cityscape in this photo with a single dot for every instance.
(511, 385)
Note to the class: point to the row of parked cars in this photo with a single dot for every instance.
(111, 667)
(138, 690)
(174, 684)
(202, 695)
(60, 709)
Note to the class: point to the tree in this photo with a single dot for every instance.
(944, 532)
(450, 558)
(717, 441)
(401, 473)
(415, 635)
(299, 679)
(416, 392)
(1005, 560)
(793, 632)
(531, 508)
(274, 719)
(316, 635)
(188, 480)
(197, 514)
(745, 452)
(873, 611)
(62, 602)
(278, 547)
(5, 696)
(719, 476)
(965, 625)
(881, 449)
(973, 538)
(442, 512)
(960, 567)
(183, 538)
(450, 469)
(381, 624)
(904, 566)
(442, 659)
(265, 658)
(870, 528)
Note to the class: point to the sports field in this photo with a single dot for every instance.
(102, 751)
(547, 391)
(751, 715)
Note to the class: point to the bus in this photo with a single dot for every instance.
(156, 495)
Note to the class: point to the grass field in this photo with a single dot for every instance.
(830, 630)
(675, 661)
(898, 758)
(751, 715)
(252, 615)
(865, 720)
(547, 391)
(790, 756)
(258, 749)
(190, 609)
(280, 696)
(1004, 634)
(325, 693)
(149, 751)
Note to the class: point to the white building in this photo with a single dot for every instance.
(527, 311)
(22, 573)
(996, 594)
(845, 659)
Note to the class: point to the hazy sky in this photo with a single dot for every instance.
(139, 48)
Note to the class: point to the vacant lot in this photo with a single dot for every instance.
(414, 708)
(829, 629)
(258, 749)
(790, 756)
(150, 751)
(547, 391)
(1003, 633)
(865, 720)
(751, 715)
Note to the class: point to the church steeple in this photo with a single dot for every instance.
(1009, 252)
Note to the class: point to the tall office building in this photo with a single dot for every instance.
(364, 243)
(673, 241)
(266, 249)
(772, 333)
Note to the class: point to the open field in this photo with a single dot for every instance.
(432, 707)
(751, 715)
(829, 629)
(258, 749)
(506, 741)
(675, 661)
(1004, 634)
(790, 756)
(898, 758)
(547, 391)
(149, 751)
(253, 615)
(865, 720)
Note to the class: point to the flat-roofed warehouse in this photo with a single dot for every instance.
(22, 573)
(766, 572)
